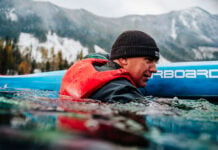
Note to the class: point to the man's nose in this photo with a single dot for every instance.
(153, 68)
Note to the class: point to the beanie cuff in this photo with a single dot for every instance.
(135, 51)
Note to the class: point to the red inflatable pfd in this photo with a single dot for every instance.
(82, 79)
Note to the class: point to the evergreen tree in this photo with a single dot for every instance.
(47, 66)
(10, 57)
(7, 57)
(52, 62)
(65, 65)
(17, 56)
(33, 66)
(44, 53)
(4, 62)
(80, 55)
(1, 55)
(60, 60)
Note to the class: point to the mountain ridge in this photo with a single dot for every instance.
(186, 35)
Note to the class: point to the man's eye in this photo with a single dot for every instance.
(149, 59)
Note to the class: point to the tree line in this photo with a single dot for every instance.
(13, 62)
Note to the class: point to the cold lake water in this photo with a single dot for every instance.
(33, 119)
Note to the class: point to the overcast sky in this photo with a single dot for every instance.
(118, 8)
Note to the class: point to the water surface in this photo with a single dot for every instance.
(35, 119)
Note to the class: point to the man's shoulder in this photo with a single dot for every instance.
(119, 89)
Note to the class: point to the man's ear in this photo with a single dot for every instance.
(123, 61)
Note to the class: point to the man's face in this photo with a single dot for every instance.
(141, 69)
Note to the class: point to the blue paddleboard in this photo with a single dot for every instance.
(185, 79)
(40, 81)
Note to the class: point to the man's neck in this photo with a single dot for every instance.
(115, 64)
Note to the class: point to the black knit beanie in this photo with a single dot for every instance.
(134, 44)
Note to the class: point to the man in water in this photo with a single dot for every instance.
(133, 59)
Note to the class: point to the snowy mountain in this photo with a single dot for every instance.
(186, 35)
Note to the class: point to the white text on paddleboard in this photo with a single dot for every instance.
(180, 73)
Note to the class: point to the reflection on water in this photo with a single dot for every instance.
(39, 120)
